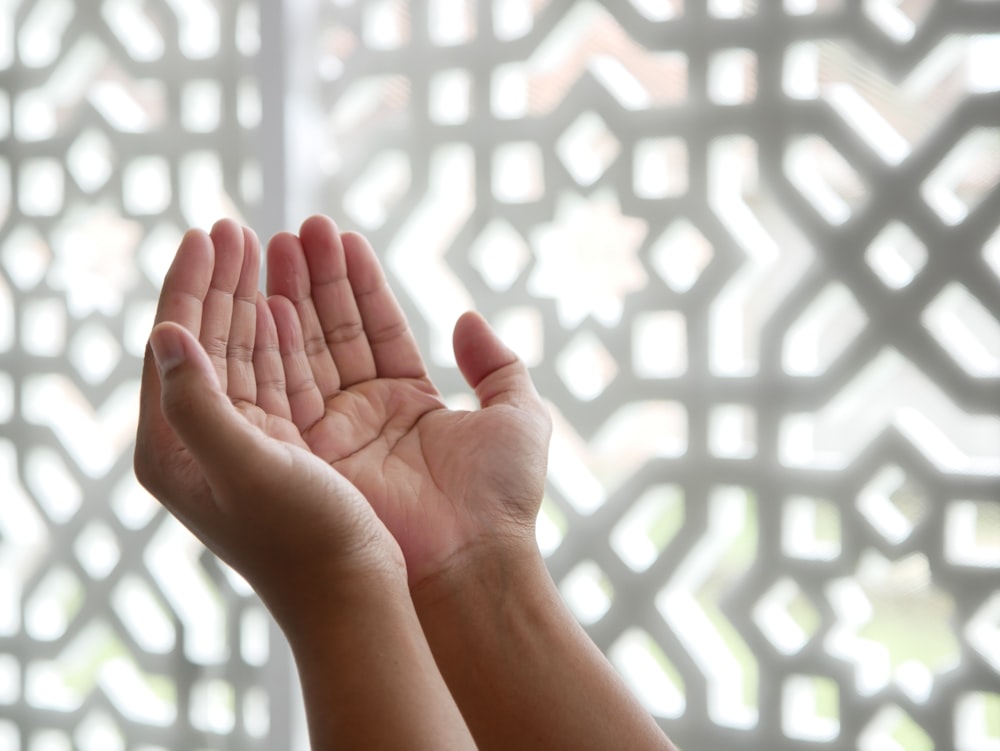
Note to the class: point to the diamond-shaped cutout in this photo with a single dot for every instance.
(586, 366)
(786, 616)
(97, 550)
(896, 255)
(892, 504)
(499, 254)
(587, 148)
(681, 254)
(90, 160)
(94, 352)
(897, 19)
(25, 256)
(588, 592)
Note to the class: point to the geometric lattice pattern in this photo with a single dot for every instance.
(121, 124)
(750, 250)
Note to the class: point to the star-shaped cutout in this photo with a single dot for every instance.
(588, 259)
(94, 261)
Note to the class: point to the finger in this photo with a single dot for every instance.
(491, 367)
(187, 282)
(241, 381)
(334, 301)
(181, 300)
(272, 396)
(390, 337)
(217, 314)
(305, 402)
(288, 276)
(199, 411)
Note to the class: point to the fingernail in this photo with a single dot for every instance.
(168, 348)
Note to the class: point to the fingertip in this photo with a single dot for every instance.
(194, 234)
(226, 226)
(318, 223)
(250, 271)
(167, 341)
(194, 242)
(285, 265)
(350, 237)
(479, 351)
(251, 242)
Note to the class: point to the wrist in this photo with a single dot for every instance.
(367, 674)
(491, 600)
(307, 603)
(498, 569)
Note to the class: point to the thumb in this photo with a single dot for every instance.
(490, 367)
(194, 404)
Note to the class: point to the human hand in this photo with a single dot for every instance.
(459, 491)
(217, 446)
(447, 484)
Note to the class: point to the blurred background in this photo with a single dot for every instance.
(751, 252)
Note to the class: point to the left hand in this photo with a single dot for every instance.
(216, 443)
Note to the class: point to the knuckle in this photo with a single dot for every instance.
(217, 347)
(345, 332)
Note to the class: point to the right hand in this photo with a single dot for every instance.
(447, 484)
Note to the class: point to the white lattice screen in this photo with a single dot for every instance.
(750, 249)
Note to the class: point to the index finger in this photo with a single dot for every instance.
(187, 281)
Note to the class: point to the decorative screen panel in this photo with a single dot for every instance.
(751, 252)
(122, 123)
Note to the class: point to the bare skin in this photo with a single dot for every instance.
(217, 445)
(339, 382)
(459, 491)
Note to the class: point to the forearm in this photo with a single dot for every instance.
(368, 678)
(522, 670)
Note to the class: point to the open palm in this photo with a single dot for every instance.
(356, 387)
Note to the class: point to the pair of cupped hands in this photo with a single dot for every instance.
(299, 436)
